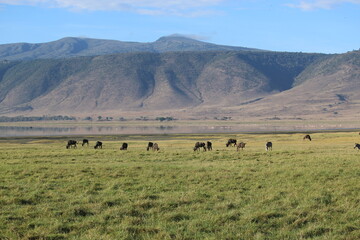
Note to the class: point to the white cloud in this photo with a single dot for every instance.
(320, 4)
(148, 7)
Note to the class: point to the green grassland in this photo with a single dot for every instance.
(300, 190)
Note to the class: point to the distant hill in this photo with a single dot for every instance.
(175, 76)
(148, 81)
(73, 47)
(328, 88)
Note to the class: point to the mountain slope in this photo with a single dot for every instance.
(73, 47)
(147, 81)
(329, 87)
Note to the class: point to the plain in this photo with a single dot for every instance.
(299, 190)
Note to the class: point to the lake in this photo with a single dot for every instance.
(59, 129)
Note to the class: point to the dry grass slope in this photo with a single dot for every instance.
(147, 82)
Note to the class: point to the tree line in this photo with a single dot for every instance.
(36, 118)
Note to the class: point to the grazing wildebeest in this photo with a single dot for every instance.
(124, 146)
(71, 143)
(150, 145)
(155, 147)
(268, 146)
(230, 142)
(357, 146)
(209, 145)
(240, 145)
(199, 145)
(98, 145)
(85, 141)
(307, 137)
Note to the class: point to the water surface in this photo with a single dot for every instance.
(16, 130)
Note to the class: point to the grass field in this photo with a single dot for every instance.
(300, 190)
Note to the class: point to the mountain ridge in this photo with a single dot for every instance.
(75, 47)
(147, 81)
(185, 83)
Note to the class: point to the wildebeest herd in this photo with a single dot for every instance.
(198, 145)
(99, 145)
(155, 147)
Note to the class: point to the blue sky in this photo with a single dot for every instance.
(327, 26)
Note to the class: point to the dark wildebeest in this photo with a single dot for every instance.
(85, 141)
(307, 137)
(357, 146)
(240, 145)
(155, 147)
(98, 145)
(199, 145)
(124, 146)
(150, 145)
(209, 146)
(230, 142)
(71, 143)
(268, 146)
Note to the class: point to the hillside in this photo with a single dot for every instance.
(183, 83)
(175, 76)
(73, 47)
(328, 88)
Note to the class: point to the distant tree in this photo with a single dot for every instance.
(142, 118)
(226, 118)
(35, 118)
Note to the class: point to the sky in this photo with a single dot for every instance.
(322, 26)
